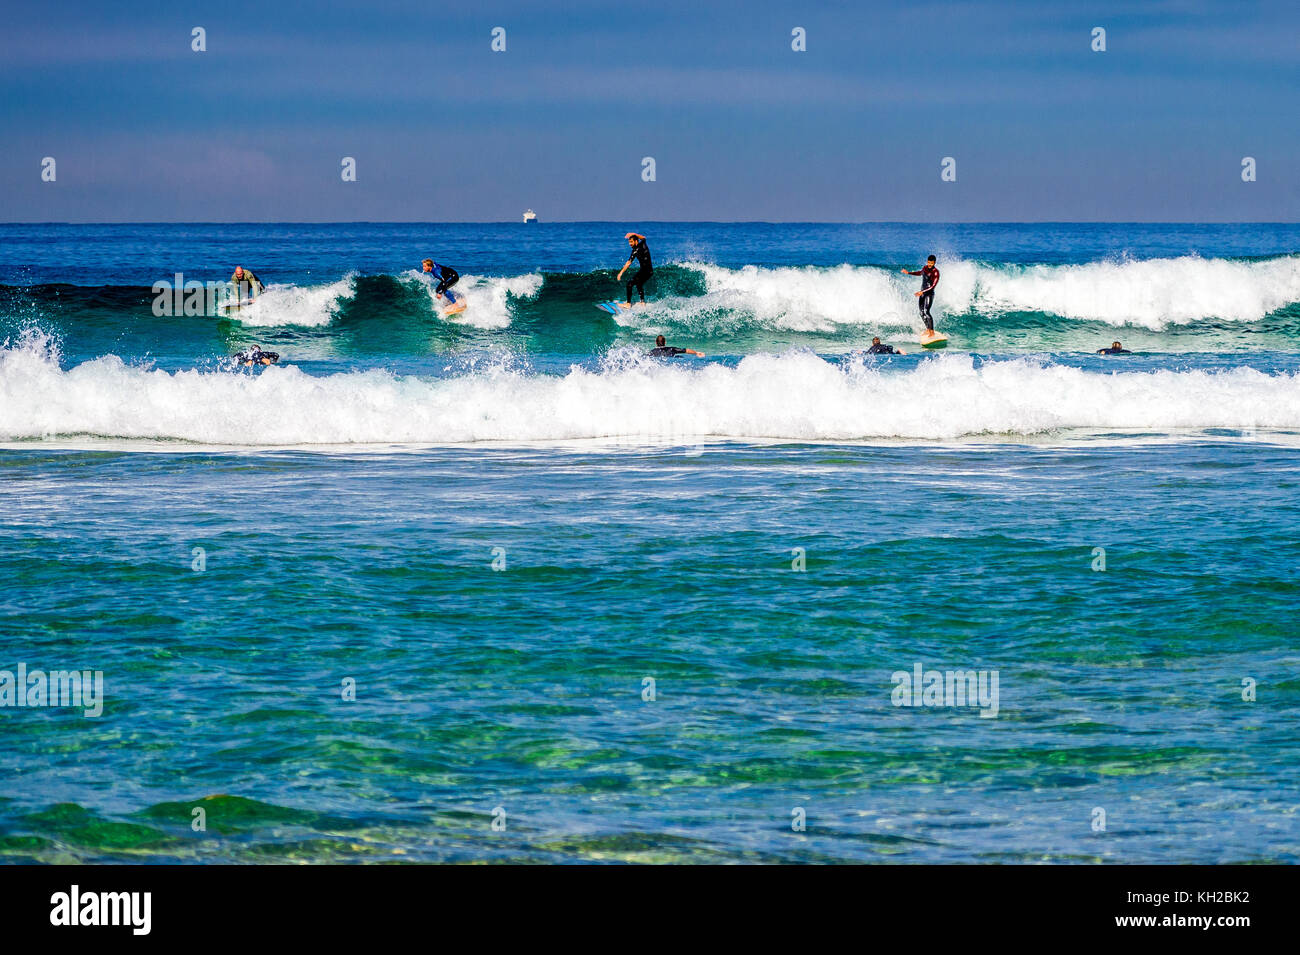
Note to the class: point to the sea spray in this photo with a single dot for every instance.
(488, 298)
(792, 396)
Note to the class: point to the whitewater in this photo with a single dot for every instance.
(797, 395)
(705, 298)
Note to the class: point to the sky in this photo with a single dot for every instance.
(740, 126)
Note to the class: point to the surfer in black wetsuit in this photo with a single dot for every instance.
(663, 350)
(1115, 349)
(929, 279)
(253, 355)
(641, 254)
(879, 349)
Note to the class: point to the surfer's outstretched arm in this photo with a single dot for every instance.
(697, 354)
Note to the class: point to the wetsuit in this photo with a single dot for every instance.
(447, 277)
(249, 281)
(1114, 351)
(640, 252)
(881, 350)
(255, 356)
(666, 351)
(929, 279)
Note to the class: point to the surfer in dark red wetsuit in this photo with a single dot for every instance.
(929, 279)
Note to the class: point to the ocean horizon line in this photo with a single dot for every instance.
(792, 222)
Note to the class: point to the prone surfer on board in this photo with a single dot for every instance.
(929, 279)
(641, 254)
(253, 355)
(1115, 349)
(446, 276)
(246, 282)
(663, 350)
(878, 349)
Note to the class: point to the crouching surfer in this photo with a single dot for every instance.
(248, 285)
(253, 355)
(447, 277)
(663, 350)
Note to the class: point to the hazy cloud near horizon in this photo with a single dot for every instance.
(740, 126)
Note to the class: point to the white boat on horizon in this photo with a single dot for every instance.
(530, 216)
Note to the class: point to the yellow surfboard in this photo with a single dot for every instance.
(933, 340)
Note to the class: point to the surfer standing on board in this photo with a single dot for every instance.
(641, 255)
(929, 279)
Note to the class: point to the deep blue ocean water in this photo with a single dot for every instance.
(426, 574)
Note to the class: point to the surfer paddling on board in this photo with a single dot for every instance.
(447, 277)
(879, 349)
(1115, 349)
(641, 255)
(929, 279)
(253, 355)
(663, 350)
(248, 285)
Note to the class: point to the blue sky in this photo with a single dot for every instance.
(740, 126)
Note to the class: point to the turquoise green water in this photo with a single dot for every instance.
(522, 688)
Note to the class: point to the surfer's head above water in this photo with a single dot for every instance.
(663, 350)
(931, 259)
(247, 282)
(427, 264)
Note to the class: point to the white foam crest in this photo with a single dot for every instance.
(1152, 293)
(793, 396)
(804, 298)
(302, 305)
(487, 298)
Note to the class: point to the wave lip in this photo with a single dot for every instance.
(712, 300)
(795, 396)
(488, 298)
(1152, 293)
(306, 306)
(1149, 293)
